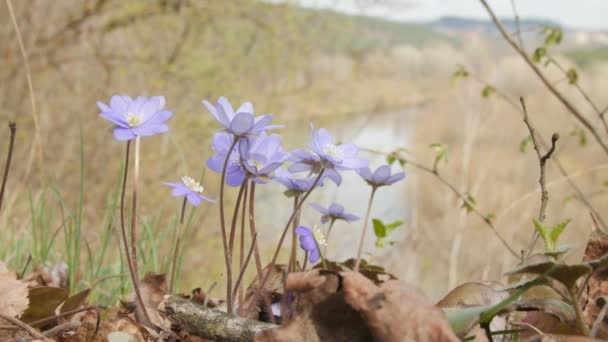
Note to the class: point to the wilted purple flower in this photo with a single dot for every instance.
(190, 188)
(294, 185)
(221, 142)
(334, 212)
(309, 242)
(142, 116)
(261, 155)
(328, 156)
(242, 122)
(381, 177)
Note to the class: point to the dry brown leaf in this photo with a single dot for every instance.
(273, 289)
(112, 321)
(13, 293)
(54, 276)
(347, 306)
(153, 289)
(597, 246)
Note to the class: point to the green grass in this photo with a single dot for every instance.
(586, 56)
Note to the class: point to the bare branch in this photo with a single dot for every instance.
(577, 114)
(461, 195)
(211, 323)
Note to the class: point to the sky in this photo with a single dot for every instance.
(582, 14)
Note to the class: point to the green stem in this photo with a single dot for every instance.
(178, 239)
(580, 321)
(365, 224)
(331, 225)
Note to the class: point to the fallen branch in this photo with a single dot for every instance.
(31, 331)
(211, 323)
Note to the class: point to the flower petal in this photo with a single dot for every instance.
(226, 107)
(381, 174)
(235, 176)
(396, 177)
(336, 209)
(365, 173)
(350, 217)
(241, 124)
(318, 208)
(246, 107)
(180, 190)
(220, 116)
(194, 198)
(124, 134)
(314, 256)
(334, 176)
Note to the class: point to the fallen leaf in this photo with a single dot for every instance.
(13, 293)
(43, 302)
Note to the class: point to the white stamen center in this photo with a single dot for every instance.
(192, 184)
(257, 164)
(134, 119)
(333, 151)
(319, 237)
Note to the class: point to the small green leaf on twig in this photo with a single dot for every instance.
(487, 91)
(553, 36)
(525, 142)
(441, 152)
(461, 72)
(469, 203)
(572, 76)
(539, 54)
(382, 230)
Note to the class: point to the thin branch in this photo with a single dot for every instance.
(577, 114)
(544, 144)
(542, 159)
(28, 329)
(462, 196)
(517, 25)
(11, 145)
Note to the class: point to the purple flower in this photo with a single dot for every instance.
(221, 142)
(255, 157)
(334, 212)
(381, 177)
(294, 185)
(143, 116)
(328, 156)
(261, 155)
(242, 122)
(309, 242)
(191, 189)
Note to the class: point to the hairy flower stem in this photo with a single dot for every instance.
(331, 225)
(282, 239)
(242, 247)
(227, 256)
(365, 224)
(135, 276)
(11, 145)
(256, 251)
(235, 215)
(294, 239)
(178, 240)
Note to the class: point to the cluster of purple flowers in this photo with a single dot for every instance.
(247, 152)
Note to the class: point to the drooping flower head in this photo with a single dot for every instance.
(190, 188)
(333, 213)
(327, 156)
(381, 177)
(309, 241)
(142, 116)
(242, 122)
(295, 186)
(255, 157)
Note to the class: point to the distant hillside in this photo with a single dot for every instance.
(351, 34)
(462, 24)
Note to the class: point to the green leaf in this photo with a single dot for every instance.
(441, 152)
(559, 251)
(379, 228)
(487, 91)
(544, 234)
(488, 315)
(539, 54)
(554, 36)
(461, 72)
(490, 217)
(392, 226)
(469, 203)
(523, 145)
(557, 230)
(390, 159)
(572, 76)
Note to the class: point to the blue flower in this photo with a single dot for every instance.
(261, 155)
(142, 116)
(381, 177)
(327, 156)
(334, 212)
(190, 188)
(242, 122)
(254, 157)
(309, 242)
(293, 184)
